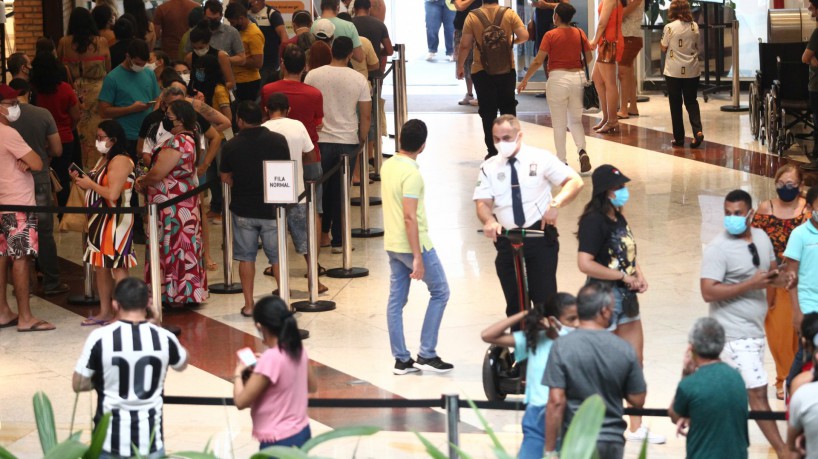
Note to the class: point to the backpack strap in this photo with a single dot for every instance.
(498, 18)
(482, 17)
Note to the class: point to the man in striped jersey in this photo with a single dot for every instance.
(126, 363)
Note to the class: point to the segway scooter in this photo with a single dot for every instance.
(502, 375)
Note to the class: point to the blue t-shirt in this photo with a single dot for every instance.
(803, 248)
(122, 87)
(535, 392)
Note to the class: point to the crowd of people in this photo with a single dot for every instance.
(129, 111)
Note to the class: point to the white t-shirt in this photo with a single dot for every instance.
(682, 42)
(632, 23)
(298, 139)
(804, 415)
(342, 88)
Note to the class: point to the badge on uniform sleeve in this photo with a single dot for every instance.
(532, 170)
(501, 176)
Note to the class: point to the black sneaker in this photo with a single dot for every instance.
(584, 162)
(436, 365)
(401, 368)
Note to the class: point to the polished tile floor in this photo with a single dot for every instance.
(674, 210)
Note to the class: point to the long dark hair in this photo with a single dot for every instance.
(553, 307)
(82, 29)
(185, 113)
(137, 9)
(598, 204)
(271, 312)
(45, 73)
(114, 130)
(102, 15)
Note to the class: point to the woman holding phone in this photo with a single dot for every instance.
(110, 236)
(277, 389)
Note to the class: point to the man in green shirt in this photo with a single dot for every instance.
(710, 406)
(411, 255)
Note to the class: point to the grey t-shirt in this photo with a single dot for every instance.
(226, 38)
(588, 362)
(35, 125)
(804, 415)
(728, 260)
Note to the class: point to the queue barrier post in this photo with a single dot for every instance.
(347, 271)
(364, 164)
(365, 231)
(451, 403)
(377, 88)
(283, 259)
(399, 91)
(736, 90)
(87, 297)
(313, 304)
(228, 287)
(153, 254)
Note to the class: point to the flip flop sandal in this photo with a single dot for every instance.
(90, 322)
(269, 271)
(276, 292)
(37, 327)
(322, 271)
(11, 323)
(323, 289)
(212, 266)
(244, 314)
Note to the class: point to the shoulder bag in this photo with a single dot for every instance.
(590, 98)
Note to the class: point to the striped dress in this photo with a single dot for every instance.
(110, 236)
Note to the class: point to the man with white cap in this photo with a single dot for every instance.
(329, 11)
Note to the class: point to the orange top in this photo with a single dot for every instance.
(613, 30)
(564, 46)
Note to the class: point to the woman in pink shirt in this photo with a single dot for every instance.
(277, 386)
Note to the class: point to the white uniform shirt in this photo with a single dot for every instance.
(682, 41)
(537, 170)
(298, 140)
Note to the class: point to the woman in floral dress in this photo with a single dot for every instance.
(173, 173)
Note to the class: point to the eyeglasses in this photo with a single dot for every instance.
(754, 253)
(788, 185)
(102, 138)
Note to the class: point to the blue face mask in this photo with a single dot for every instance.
(620, 197)
(565, 330)
(735, 224)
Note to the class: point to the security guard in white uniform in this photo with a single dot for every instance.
(514, 191)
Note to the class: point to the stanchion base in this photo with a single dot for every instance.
(373, 201)
(341, 273)
(375, 177)
(735, 108)
(304, 333)
(318, 306)
(82, 300)
(640, 99)
(371, 232)
(173, 329)
(223, 288)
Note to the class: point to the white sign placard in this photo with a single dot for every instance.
(279, 182)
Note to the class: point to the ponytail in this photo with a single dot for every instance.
(272, 313)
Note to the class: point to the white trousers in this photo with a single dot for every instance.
(563, 91)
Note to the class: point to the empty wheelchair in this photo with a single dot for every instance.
(768, 54)
(787, 106)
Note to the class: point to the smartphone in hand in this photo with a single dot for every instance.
(77, 169)
(247, 356)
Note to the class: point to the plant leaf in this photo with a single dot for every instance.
(580, 440)
(194, 455)
(487, 427)
(98, 437)
(431, 449)
(5, 454)
(355, 431)
(460, 452)
(69, 449)
(502, 454)
(643, 453)
(44, 416)
(281, 452)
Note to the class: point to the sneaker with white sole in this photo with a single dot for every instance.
(435, 365)
(466, 100)
(642, 433)
(402, 368)
(431, 56)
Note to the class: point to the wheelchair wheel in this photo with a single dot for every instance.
(755, 110)
(773, 124)
(495, 363)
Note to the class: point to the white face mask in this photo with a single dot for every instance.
(507, 149)
(185, 78)
(137, 68)
(151, 66)
(202, 51)
(13, 113)
(102, 147)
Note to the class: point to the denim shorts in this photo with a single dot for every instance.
(619, 317)
(297, 226)
(246, 233)
(314, 172)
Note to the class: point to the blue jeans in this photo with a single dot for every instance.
(296, 440)
(533, 445)
(400, 265)
(438, 13)
(330, 156)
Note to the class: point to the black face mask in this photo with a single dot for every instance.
(167, 124)
(214, 23)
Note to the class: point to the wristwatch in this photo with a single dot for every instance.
(555, 204)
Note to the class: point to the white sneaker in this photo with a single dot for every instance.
(466, 100)
(643, 432)
(431, 56)
(450, 57)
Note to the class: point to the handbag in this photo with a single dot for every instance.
(606, 51)
(74, 222)
(56, 186)
(531, 28)
(590, 98)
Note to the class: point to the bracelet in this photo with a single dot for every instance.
(236, 376)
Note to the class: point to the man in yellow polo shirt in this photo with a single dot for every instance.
(411, 255)
(248, 76)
